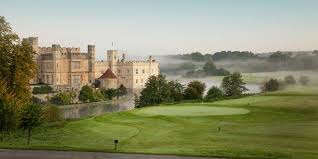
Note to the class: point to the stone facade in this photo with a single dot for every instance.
(69, 68)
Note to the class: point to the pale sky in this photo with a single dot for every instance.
(168, 26)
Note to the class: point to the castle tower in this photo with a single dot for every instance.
(91, 63)
(33, 41)
(112, 55)
(56, 66)
(112, 58)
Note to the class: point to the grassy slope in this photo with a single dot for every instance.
(280, 125)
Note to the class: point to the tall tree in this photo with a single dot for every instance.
(155, 92)
(16, 64)
(233, 84)
(194, 90)
(176, 91)
(16, 70)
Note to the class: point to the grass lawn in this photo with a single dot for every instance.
(275, 125)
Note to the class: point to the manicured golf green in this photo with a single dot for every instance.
(282, 125)
(195, 110)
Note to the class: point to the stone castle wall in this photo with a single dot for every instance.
(68, 67)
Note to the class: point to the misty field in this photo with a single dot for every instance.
(280, 125)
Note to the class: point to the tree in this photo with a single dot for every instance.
(156, 91)
(304, 80)
(233, 84)
(214, 93)
(63, 98)
(121, 91)
(86, 94)
(211, 70)
(176, 91)
(233, 55)
(271, 85)
(9, 106)
(279, 57)
(109, 93)
(194, 90)
(290, 80)
(16, 70)
(30, 118)
(209, 67)
(16, 64)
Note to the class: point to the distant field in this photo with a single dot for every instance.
(281, 125)
(260, 77)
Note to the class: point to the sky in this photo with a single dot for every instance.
(159, 27)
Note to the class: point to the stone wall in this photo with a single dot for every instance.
(77, 111)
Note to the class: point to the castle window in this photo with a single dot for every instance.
(75, 65)
(127, 70)
(142, 81)
(136, 80)
(143, 71)
(76, 80)
(136, 71)
(118, 70)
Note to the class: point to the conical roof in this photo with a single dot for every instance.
(108, 74)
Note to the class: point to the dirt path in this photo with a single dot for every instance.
(43, 154)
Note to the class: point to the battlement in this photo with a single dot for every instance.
(63, 50)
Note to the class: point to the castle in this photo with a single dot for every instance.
(69, 68)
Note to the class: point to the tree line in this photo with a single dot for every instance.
(275, 61)
(86, 94)
(158, 90)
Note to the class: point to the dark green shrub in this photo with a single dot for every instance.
(271, 85)
(214, 93)
(44, 89)
(63, 98)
